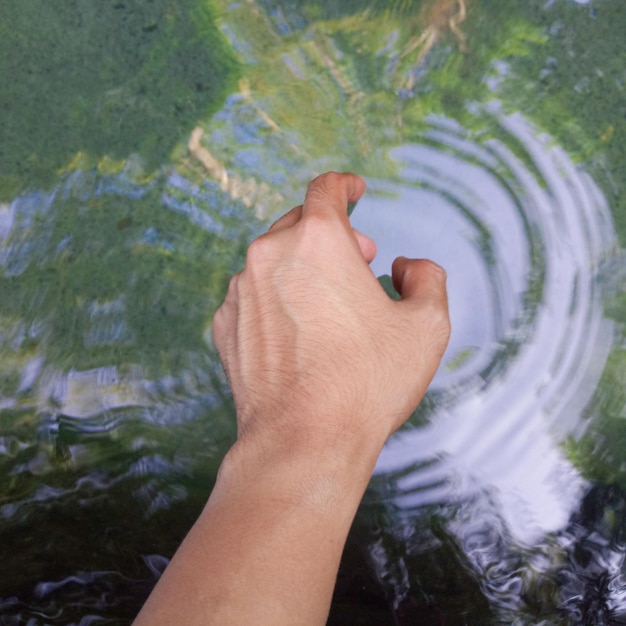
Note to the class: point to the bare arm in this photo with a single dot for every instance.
(323, 367)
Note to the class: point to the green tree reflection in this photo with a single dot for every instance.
(104, 279)
(574, 88)
(111, 78)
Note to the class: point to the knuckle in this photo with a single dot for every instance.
(218, 326)
(438, 311)
(440, 328)
(313, 228)
(232, 289)
(258, 250)
(433, 323)
(443, 324)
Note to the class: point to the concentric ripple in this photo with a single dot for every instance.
(523, 234)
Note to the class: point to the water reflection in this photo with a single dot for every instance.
(524, 242)
(111, 400)
(527, 239)
(113, 412)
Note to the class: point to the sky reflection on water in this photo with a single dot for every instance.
(532, 365)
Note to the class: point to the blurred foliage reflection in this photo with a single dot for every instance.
(106, 79)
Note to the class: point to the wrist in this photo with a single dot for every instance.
(310, 472)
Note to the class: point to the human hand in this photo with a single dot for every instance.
(323, 366)
(315, 351)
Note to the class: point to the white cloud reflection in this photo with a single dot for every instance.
(532, 361)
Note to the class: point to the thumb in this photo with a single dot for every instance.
(420, 281)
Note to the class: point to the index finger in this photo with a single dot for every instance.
(329, 194)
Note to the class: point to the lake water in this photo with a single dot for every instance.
(144, 144)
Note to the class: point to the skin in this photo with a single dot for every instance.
(323, 367)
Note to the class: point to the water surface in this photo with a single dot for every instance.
(144, 145)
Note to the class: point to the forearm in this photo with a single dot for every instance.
(267, 547)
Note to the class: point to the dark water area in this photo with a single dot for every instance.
(144, 144)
